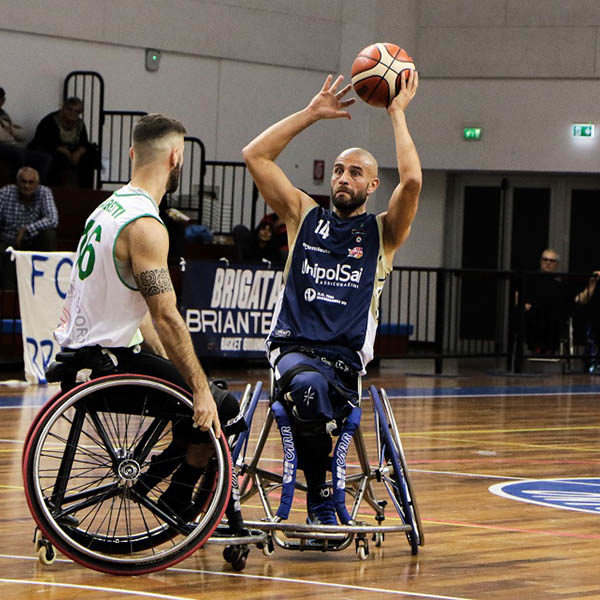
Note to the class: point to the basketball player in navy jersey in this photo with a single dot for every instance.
(325, 320)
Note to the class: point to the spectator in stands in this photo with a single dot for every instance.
(590, 296)
(63, 135)
(280, 237)
(28, 220)
(13, 154)
(254, 246)
(547, 306)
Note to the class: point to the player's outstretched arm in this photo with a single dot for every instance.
(148, 243)
(403, 203)
(260, 154)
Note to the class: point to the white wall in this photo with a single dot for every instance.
(524, 70)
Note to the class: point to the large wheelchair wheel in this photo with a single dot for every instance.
(94, 468)
(393, 469)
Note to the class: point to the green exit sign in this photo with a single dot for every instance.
(583, 130)
(472, 134)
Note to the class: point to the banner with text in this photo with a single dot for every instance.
(228, 309)
(43, 281)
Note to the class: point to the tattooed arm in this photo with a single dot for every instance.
(145, 244)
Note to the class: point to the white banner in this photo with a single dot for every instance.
(43, 281)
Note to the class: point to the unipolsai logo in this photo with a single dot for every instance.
(310, 294)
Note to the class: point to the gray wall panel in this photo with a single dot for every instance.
(508, 52)
(553, 13)
(462, 13)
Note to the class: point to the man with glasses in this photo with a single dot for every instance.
(28, 220)
(547, 305)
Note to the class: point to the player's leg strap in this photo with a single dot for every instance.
(290, 459)
(338, 463)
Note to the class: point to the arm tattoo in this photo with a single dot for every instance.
(156, 281)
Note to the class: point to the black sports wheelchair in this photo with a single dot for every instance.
(97, 461)
(100, 455)
(275, 489)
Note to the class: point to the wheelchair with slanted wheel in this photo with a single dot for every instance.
(275, 489)
(97, 461)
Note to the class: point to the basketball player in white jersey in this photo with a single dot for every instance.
(121, 300)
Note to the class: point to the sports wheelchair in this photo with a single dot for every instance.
(96, 460)
(389, 470)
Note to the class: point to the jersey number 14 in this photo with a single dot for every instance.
(322, 229)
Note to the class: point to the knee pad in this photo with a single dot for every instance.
(306, 390)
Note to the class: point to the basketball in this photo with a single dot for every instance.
(377, 70)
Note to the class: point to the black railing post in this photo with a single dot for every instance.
(520, 333)
(254, 203)
(440, 318)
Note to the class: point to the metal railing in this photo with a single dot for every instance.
(89, 87)
(218, 194)
(432, 313)
(118, 137)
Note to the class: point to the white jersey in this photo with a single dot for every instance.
(103, 305)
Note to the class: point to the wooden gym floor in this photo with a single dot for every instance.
(461, 436)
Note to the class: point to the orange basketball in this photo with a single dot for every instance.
(377, 70)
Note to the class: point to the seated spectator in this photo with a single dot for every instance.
(13, 154)
(591, 298)
(280, 239)
(547, 306)
(63, 135)
(254, 246)
(28, 220)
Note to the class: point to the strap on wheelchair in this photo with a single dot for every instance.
(338, 463)
(69, 362)
(290, 459)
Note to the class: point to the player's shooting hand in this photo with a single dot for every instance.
(205, 412)
(408, 89)
(329, 103)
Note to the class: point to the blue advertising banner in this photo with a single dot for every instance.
(228, 309)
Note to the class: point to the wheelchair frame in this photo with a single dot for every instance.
(83, 455)
(390, 469)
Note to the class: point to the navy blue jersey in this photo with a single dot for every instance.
(333, 278)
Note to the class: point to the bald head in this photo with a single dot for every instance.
(362, 156)
(154, 136)
(353, 179)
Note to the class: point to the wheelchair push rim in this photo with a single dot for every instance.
(100, 522)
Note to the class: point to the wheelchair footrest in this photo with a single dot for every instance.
(225, 537)
(301, 528)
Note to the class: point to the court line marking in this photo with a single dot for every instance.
(342, 586)
(425, 396)
(95, 588)
(358, 588)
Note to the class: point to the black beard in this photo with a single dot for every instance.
(349, 203)
(173, 180)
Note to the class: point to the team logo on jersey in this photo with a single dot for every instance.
(282, 333)
(582, 494)
(356, 252)
(309, 294)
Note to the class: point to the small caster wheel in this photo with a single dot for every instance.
(228, 553)
(46, 553)
(362, 548)
(239, 561)
(268, 548)
(378, 539)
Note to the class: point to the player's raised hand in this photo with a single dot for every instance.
(408, 89)
(329, 103)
